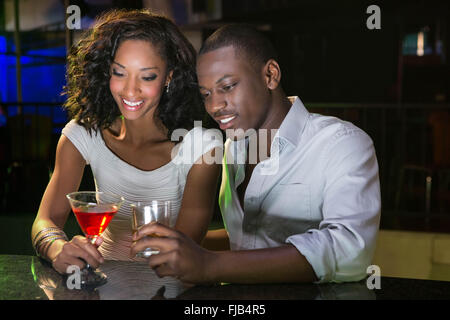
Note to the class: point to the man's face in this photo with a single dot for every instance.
(234, 91)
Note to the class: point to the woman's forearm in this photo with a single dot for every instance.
(47, 238)
(216, 240)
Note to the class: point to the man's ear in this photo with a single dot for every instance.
(272, 73)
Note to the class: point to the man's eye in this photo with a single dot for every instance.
(228, 87)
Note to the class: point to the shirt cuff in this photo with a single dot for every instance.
(313, 245)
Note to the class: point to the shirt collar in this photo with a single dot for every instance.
(294, 123)
(290, 130)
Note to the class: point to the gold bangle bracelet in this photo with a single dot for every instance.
(44, 230)
(52, 239)
(49, 234)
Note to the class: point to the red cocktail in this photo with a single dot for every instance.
(94, 210)
(93, 223)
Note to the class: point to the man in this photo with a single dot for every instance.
(314, 218)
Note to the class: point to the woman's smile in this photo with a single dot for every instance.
(132, 105)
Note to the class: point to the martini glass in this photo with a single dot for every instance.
(93, 210)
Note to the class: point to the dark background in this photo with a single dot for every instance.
(328, 56)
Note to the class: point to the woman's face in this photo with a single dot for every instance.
(138, 77)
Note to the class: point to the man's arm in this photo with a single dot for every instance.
(181, 257)
(342, 247)
(269, 265)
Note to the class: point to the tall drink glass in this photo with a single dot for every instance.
(149, 212)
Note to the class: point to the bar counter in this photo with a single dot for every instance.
(29, 278)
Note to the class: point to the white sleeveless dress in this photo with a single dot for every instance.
(112, 174)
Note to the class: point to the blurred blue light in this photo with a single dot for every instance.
(42, 80)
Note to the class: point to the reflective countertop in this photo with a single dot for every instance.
(29, 278)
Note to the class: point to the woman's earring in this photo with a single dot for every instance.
(167, 88)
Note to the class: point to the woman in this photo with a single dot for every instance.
(131, 83)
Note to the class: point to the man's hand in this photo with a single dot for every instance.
(179, 256)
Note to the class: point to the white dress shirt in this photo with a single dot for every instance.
(319, 191)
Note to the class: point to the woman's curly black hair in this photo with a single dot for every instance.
(90, 101)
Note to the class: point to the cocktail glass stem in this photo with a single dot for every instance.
(93, 240)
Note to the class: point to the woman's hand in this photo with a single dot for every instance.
(179, 256)
(78, 251)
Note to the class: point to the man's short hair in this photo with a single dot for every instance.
(245, 39)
